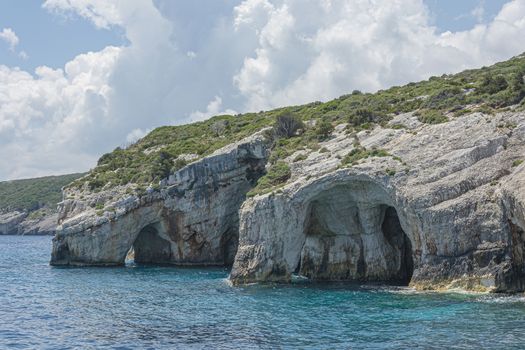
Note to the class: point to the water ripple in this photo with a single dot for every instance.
(42, 307)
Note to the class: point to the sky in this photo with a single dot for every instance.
(81, 77)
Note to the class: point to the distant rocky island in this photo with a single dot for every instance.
(420, 185)
(29, 207)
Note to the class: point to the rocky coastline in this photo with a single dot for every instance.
(441, 207)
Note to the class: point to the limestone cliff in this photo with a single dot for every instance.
(28, 206)
(191, 219)
(444, 209)
(420, 185)
(20, 223)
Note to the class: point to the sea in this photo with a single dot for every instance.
(159, 307)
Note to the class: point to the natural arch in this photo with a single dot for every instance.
(150, 247)
(353, 232)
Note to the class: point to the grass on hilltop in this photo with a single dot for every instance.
(32, 194)
(157, 155)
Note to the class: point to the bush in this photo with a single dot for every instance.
(324, 129)
(300, 157)
(446, 98)
(219, 127)
(491, 85)
(278, 174)
(179, 164)
(287, 125)
(360, 152)
(429, 116)
(361, 116)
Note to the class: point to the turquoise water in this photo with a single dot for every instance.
(42, 307)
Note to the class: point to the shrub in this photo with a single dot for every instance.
(491, 85)
(324, 129)
(446, 98)
(390, 172)
(179, 164)
(360, 152)
(219, 127)
(429, 116)
(278, 174)
(361, 116)
(287, 125)
(300, 157)
(517, 162)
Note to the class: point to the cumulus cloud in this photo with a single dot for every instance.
(316, 50)
(478, 12)
(260, 54)
(9, 36)
(135, 135)
(213, 108)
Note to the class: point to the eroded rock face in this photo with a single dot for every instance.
(446, 210)
(9, 222)
(20, 223)
(193, 219)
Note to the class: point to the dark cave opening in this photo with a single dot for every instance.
(149, 247)
(394, 234)
(346, 240)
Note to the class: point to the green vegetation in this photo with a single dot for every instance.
(32, 194)
(360, 152)
(487, 90)
(517, 162)
(278, 174)
(430, 116)
(324, 129)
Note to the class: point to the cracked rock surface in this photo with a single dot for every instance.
(445, 210)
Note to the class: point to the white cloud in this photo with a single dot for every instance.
(9, 36)
(136, 134)
(213, 108)
(263, 54)
(101, 12)
(23, 55)
(478, 12)
(316, 50)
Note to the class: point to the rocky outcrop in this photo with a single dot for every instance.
(191, 219)
(442, 206)
(444, 210)
(22, 223)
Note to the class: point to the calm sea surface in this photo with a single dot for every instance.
(42, 307)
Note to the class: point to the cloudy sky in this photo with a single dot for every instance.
(80, 77)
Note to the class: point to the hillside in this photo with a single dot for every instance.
(436, 100)
(31, 194)
(420, 185)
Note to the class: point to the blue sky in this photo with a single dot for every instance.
(49, 39)
(80, 77)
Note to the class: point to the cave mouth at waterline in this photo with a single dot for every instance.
(149, 248)
(347, 239)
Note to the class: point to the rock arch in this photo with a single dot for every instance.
(353, 232)
(336, 228)
(152, 246)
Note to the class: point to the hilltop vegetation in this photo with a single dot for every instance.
(436, 100)
(32, 194)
